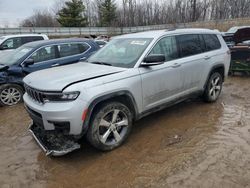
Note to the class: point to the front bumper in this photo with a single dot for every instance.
(53, 143)
(54, 115)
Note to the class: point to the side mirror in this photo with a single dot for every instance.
(152, 60)
(4, 47)
(29, 62)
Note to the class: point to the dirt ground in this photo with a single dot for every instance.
(192, 144)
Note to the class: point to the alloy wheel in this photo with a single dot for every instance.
(113, 127)
(215, 87)
(10, 96)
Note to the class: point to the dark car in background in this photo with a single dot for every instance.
(36, 56)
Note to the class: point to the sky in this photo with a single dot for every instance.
(12, 12)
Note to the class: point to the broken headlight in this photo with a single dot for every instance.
(67, 96)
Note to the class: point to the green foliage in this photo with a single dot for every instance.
(107, 10)
(72, 14)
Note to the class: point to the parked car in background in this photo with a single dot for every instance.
(36, 56)
(103, 37)
(236, 35)
(101, 43)
(131, 77)
(11, 42)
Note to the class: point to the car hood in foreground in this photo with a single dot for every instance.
(57, 79)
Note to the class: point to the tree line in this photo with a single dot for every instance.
(126, 13)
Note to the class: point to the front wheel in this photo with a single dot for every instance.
(110, 126)
(10, 94)
(213, 87)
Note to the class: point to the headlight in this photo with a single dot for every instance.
(67, 96)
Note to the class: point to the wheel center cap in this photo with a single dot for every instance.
(112, 127)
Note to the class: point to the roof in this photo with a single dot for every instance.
(159, 33)
(23, 35)
(55, 41)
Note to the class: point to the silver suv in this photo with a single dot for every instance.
(132, 76)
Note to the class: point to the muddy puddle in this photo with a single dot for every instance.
(192, 144)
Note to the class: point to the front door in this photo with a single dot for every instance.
(45, 57)
(162, 83)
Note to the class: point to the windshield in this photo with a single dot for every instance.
(13, 56)
(123, 52)
(1, 40)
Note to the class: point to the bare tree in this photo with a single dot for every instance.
(40, 19)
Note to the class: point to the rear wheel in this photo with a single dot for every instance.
(10, 94)
(110, 126)
(213, 87)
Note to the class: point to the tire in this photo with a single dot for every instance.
(110, 126)
(213, 87)
(10, 94)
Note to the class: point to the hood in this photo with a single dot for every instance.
(5, 52)
(57, 79)
(242, 35)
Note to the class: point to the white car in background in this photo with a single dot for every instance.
(10, 42)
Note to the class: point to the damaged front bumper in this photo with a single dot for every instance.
(53, 143)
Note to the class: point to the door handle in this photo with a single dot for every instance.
(83, 58)
(175, 65)
(54, 65)
(207, 57)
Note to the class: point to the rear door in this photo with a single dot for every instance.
(193, 61)
(44, 57)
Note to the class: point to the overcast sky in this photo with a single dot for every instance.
(14, 11)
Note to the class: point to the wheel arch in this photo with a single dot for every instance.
(220, 68)
(123, 96)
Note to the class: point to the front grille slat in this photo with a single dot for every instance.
(34, 94)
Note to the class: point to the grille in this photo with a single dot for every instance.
(36, 95)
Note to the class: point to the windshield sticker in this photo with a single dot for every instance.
(138, 42)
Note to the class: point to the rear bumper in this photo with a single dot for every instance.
(53, 144)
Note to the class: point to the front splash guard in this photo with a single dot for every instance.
(51, 142)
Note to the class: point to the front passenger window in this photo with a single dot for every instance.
(44, 54)
(12, 43)
(166, 46)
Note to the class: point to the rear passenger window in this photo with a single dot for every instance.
(189, 45)
(72, 49)
(212, 42)
(31, 39)
(166, 46)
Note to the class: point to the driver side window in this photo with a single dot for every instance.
(166, 46)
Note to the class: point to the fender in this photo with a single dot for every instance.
(97, 101)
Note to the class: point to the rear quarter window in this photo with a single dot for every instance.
(212, 42)
(189, 44)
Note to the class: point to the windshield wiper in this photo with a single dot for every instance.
(101, 63)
